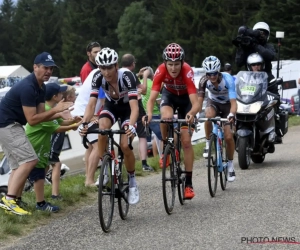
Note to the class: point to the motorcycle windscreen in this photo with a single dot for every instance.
(251, 86)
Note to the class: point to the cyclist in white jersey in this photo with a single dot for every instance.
(120, 90)
(221, 102)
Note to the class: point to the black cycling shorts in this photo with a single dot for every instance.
(181, 103)
(117, 111)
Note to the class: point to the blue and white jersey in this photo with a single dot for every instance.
(223, 92)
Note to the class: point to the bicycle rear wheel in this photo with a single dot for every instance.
(212, 168)
(106, 194)
(123, 191)
(223, 174)
(169, 178)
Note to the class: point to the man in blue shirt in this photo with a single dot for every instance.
(25, 102)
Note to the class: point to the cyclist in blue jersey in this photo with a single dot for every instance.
(221, 101)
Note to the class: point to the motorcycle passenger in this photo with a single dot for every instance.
(257, 43)
(255, 62)
(178, 92)
(221, 102)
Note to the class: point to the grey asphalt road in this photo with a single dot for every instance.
(262, 202)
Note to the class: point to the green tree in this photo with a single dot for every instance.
(37, 25)
(7, 32)
(2, 59)
(136, 35)
(90, 20)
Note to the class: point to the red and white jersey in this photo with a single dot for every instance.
(181, 85)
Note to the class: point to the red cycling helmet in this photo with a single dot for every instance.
(173, 52)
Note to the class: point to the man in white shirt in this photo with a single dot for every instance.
(91, 154)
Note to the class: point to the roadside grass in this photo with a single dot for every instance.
(294, 120)
(75, 195)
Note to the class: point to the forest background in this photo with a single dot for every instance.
(143, 28)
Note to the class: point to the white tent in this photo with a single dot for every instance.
(13, 71)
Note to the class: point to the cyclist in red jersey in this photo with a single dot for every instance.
(178, 93)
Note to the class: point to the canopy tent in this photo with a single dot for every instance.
(10, 75)
(13, 71)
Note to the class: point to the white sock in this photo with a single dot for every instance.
(132, 181)
(230, 166)
(207, 144)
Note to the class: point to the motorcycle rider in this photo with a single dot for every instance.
(255, 63)
(255, 40)
(221, 101)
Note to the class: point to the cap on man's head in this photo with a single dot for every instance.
(53, 88)
(227, 67)
(45, 59)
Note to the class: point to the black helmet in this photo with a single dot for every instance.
(227, 67)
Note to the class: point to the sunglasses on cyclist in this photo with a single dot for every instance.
(255, 64)
(106, 67)
(92, 45)
(212, 73)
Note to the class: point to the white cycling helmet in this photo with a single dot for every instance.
(211, 64)
(253, 59)
(262, 26)
(106, 57)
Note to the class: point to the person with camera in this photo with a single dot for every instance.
(255, 40)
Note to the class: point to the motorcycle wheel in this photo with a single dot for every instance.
(244, 152)
(258, 158)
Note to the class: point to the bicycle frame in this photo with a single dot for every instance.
(218, 131)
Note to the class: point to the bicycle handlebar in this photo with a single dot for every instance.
(216, 119)
(105, 132)
(170, 121)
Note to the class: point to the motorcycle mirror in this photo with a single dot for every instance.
(271, 103)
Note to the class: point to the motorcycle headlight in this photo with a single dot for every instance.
(248, 108)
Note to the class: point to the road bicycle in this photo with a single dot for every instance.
(217, 160)
(173, 175)
(113, 181)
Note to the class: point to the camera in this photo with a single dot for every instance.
(246, 37)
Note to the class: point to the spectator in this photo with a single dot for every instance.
(57, 141)
(128, 61)
(91, 50)
(25, 102)
(228, 69)
(39, 136)
(146, 74)
(91, 155)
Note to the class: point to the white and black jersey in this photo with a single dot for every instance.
(127, 84)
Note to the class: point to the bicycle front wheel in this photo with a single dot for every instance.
(106, 194)
(212, 166)
(123, 191)
(169, 179)
(223, 174)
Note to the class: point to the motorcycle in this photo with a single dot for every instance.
(255, 117)
(5, 172)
